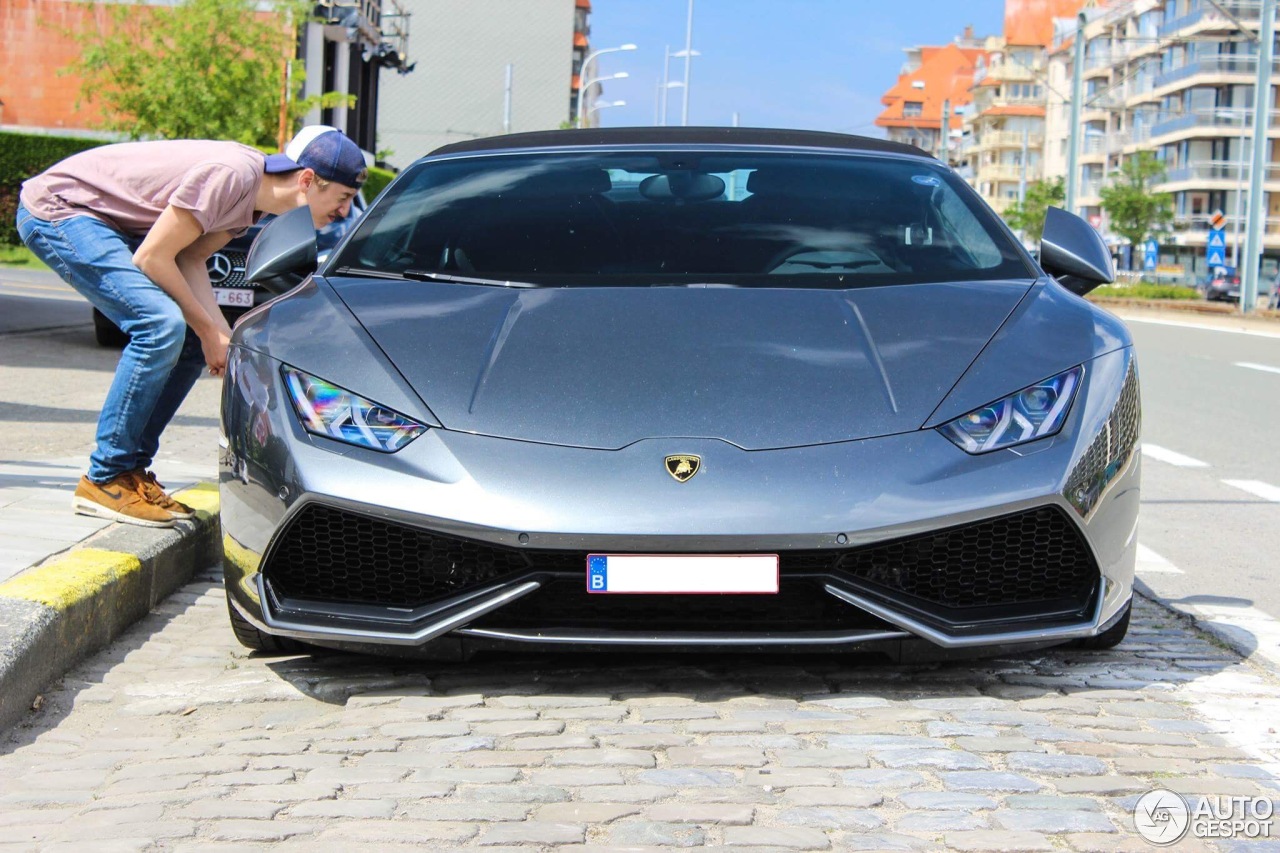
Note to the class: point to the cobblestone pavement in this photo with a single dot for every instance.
(177, 739)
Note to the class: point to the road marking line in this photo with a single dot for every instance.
(1163, 454)
(1253, 366)
(1184, 325)
(1266, 491)
(1151, 563)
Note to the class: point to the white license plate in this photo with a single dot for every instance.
(683, 574)
(233, 297)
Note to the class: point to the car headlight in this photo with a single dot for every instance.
(1031, 413)
(333, 412)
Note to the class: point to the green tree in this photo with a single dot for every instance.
(1027, 216)
(1132, 208)
(203, 69)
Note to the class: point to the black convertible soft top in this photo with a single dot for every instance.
(680, 136)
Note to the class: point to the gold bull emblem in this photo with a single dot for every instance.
(683, 467)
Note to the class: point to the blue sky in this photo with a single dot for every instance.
(810, 64)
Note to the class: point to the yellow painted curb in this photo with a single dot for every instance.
(202, 497)
(76, 577)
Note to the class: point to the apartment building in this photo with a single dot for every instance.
(1176, 78)
(934, 82)
(1004, 132)
(461, 89)
(345, 48)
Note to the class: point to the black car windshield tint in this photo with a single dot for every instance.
(745, 218)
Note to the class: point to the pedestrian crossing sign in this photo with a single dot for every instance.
(1216, 248)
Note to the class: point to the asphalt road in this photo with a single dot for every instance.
(1211, 461)
(38, 299)
(1210, 522)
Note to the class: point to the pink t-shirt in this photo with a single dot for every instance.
(129, 184)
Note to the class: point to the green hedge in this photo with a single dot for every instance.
(377, 182)
(23, 155)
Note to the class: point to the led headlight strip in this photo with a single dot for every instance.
(333, 412)
(1034, 412)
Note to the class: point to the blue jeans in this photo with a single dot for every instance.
(163, 359)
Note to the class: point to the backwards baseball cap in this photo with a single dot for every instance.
(325, 150)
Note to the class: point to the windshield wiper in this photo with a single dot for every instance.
(363, 273)
(423, 275)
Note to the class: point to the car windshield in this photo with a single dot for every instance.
(747, 218)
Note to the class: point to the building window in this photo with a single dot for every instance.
(912, 109)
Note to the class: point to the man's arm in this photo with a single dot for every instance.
(193, 262)
(174, 232)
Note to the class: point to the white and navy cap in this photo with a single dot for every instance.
(325, 150)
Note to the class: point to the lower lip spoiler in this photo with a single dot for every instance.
(453, 614)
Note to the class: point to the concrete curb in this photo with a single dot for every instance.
(1183, 306)
(55, 615)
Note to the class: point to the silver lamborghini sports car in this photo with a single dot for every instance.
(682, 388)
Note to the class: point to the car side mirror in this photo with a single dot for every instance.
(284, 253)
(1072, 251)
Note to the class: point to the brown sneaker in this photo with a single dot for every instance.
(119, 499)
(153, 490)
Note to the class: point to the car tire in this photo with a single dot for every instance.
(1111, 637)
(108, 333)
(251, 638)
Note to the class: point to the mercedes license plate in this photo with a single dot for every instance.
(234, 297)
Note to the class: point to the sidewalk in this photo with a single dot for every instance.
(36, 520)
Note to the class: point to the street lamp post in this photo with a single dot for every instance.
(582, 72)
(621, 75)
(1239, 183)
(671, 84)
(688, 62)
(604, 105)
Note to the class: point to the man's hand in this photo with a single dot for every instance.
(214, 345)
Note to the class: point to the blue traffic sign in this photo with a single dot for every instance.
(1150, 255)
(1216, 249)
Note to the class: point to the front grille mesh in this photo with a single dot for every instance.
(1017, 559)
(333, 555)
(236, 278)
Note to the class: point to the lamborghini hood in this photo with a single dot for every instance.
(605, 367)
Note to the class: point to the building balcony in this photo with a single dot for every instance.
(1010, 72)
(1223, 120)
(1202, 174)
(1207, 18)
(1010, 139)
(1007, 173)
(1212, 66)
(1194, 231)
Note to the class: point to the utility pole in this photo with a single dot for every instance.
(506, 101)
(1022, 179)
(688, 64)
(945, 131)
(1077, 94)
(666, 81)
(1261, 119)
